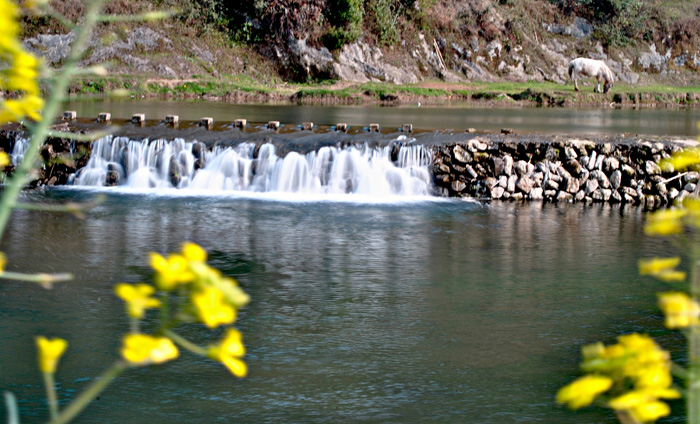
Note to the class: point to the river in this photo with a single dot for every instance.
(664, 122)
(409, 311)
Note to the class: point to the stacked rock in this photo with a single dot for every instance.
(569, 170)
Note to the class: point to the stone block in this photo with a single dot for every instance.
(138, 118)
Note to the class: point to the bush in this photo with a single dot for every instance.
(618, 21)
(345, 17)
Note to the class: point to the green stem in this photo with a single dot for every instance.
(41, 279)
(164, 308)
(60, 85)
(51, 394)
(12, 410)
(693, 400)
(185, 343)
(679, 371)
(94, 390)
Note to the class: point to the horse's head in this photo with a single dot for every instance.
(607, 86)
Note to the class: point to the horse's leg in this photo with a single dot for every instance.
(575, 78)
(597, 85)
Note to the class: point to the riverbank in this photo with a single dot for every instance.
(242, 90)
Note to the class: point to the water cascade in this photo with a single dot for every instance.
(398, 169)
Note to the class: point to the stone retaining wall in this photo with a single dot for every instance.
(568, 170)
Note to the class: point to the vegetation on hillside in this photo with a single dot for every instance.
(334, 23)
(250, 38)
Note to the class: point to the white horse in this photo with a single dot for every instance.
(582, 66)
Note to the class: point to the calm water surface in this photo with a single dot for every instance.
(671, 122)
(445, 311)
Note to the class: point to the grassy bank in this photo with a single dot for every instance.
(243, 89)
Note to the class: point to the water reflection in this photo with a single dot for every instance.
(662, 122)
(407, 313)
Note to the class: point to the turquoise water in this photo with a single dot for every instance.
(430, 311)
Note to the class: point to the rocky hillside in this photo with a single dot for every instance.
(399, 41)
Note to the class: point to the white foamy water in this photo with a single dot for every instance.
(160, 165)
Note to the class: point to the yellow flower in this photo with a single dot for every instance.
(658, 376)
(50, 352)
(232, 292)
(637, 342)
(650, 411)
(680, 310)
(16, 109)
(138, 298)
(194, 253)
(657, 265)
(212, 309)
(171, 271)
(23, 74)
(142, 349)
(229, 352)
(583, 391)
(665, 222)
(682, 160)
(644, 405)
(206, 276)
(593, 350)
(4, 159)
(19, 71)
(671, 276)
(631, 357)
(3, 262)
(9, 28)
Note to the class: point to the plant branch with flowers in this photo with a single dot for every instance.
(186, 290)
(635, 377)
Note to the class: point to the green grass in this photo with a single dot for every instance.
(547, 93)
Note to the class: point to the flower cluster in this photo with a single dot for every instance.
(205, 295)
(634, 374)
(21, 72)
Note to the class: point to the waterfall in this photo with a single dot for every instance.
(395, 170)
(19, 149)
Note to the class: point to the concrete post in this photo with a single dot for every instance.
(138, 118)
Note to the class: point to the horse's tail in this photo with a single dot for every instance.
(571, 69)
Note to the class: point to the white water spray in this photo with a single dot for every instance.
(354, 170)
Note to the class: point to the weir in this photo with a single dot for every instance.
(393, 170)
(374, 162)
(237, 157)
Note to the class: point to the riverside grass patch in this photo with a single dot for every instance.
(539, 92)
